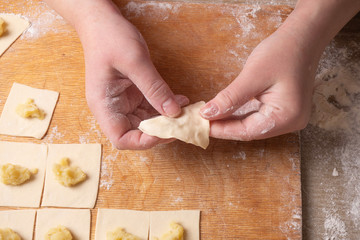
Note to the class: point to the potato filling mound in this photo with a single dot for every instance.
(30, 110)
(58, 233)
(68, 175)
(15, 174)
(120, 234)
(8, 234)
(176, 232)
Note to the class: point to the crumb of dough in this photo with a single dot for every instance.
(176, 232)
(58, 233)
(30, 110)
(120, 234)
(15, 174)
(7, 233)
(2, 26)
(68, 175)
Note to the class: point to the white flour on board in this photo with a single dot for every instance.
(53, 134)
(106, 178)
(331, 143)
(93, 134)
(161, 10)
(42, 20)
(42, 17)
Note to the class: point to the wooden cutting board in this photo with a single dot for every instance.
(245, 190)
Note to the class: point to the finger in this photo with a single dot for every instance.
(240, 91)
(259, 125)
(136, 140)
(117, 128)
(154, 88)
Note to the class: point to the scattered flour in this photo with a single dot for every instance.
(334, 227)
(106, 178)
(161, 10)
(144, 159)
(88, 136)
(240, 154)
(42, 17)
(53, 135)
(333, 138)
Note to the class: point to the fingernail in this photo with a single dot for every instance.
(171, 108)
(181, 100)
(209, 110)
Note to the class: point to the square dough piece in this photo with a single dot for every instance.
(134, 222)
(27, 155)
(76, 220)
(82, 195)
(20, 221)
(189, 219)
(14, 27)
(12, 124)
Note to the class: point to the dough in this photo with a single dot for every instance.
(188, 219)
(15, 174)
(189, 127)
(85, 156)
(68, 175)
(8, 234)
(133, 222)
(12, 124)
(30, 156)
(58, 233)
(176, 232)
(20, 221)
(15, 26)
(76, 220)
(30, 110)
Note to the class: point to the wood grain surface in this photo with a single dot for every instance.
(245, 190)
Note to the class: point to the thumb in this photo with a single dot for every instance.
(155, 89)
(239, 92)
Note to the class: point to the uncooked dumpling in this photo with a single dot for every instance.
(189, 127)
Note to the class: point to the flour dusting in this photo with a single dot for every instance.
(240, 154)
(334, 227)
(162, 10)
(106, 178)
(54, 134)
(42, 18)
(93, 134)
(332, 139)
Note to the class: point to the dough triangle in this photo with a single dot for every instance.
(189, 127)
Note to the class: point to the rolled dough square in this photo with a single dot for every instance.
(15, 26)
(12, 124)
(20, 221)
(77, 221)
(82, 195)
(27, 155)
(134, 222)
(189, 219)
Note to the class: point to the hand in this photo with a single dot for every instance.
(122, 85)
(272, 94)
